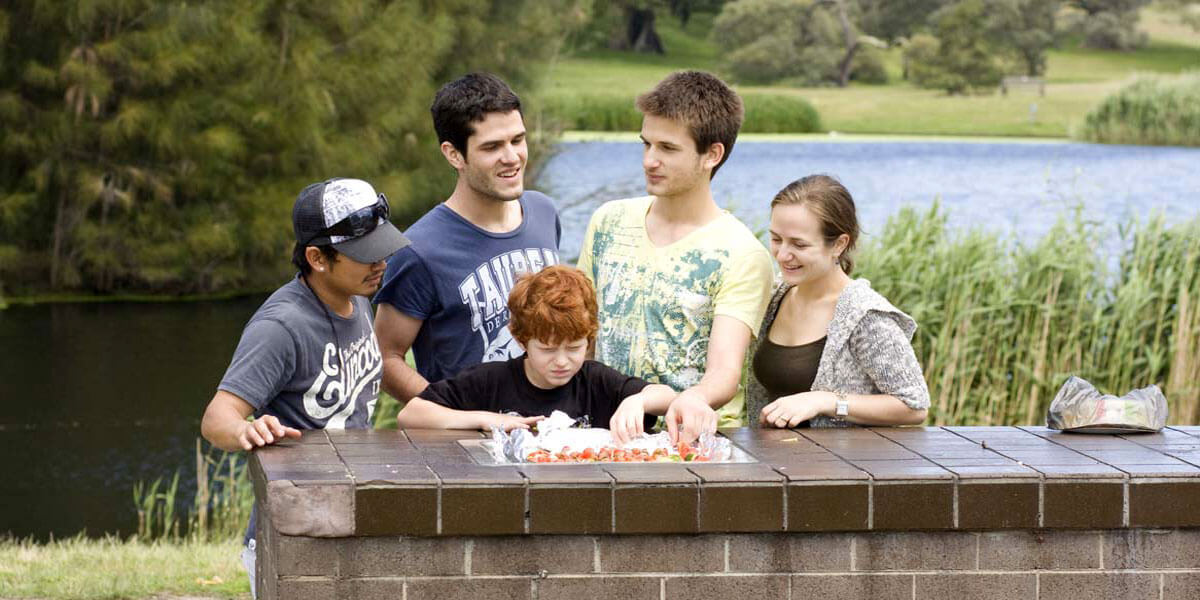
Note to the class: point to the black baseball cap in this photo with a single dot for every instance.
(349, 215)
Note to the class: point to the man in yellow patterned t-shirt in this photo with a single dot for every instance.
(682, 284)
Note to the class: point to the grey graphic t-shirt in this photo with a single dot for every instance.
(290, 363)
(456, 277)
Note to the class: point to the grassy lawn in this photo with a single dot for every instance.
(1077, 79)
(81, 568)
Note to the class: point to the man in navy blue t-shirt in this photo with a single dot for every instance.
(446, 295)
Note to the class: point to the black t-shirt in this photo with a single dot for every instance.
(596, 391)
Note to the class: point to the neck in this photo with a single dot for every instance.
(693, 207)
(828, 286)
(334, 301)
(488, 213)
(534, 379)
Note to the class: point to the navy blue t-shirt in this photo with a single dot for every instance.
(456, 277)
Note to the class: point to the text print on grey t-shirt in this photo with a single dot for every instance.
(288, 363)
(485, 292)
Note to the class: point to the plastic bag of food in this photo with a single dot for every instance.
(1079, 407)
(559, 438)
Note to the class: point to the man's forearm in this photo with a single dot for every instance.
(716, 389)
(423, 414)
(222, 427)
(401, 381)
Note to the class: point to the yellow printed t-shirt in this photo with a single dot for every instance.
(657, 304)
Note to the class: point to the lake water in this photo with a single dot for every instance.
(95, 397)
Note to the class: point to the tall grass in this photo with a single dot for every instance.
(220, 508)
(765, 113)
(1151, 110)
(1002, 325)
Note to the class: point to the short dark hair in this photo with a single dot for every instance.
(468, 100)
(301, 261)
(711, 110)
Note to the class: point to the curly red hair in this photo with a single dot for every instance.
(554, 305)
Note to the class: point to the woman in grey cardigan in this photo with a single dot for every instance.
(831, 350)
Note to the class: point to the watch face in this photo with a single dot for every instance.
(843, 408)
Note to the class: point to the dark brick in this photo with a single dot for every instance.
(305, 589)
(483, 510)
(913, 506)
(915, 551)
(975, 586)
(474, 588)
(662, 554)
(1180, 586)
(1152, 549)
(530, 555)
(1164, 504)
(395, 510)
(574, 588)
(306, 556)
(656, 509)
(402, 556)
(839, 507)
(1083, 505)
(574, 509)
(375, 588)
(782, 553)
(997, 505)
(741, 508)
(1098, 586)
(728, 586)
(1029, 550)
(875, 587)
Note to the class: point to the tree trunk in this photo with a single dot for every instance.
(59, 231)
(640, 35)
(851, 42)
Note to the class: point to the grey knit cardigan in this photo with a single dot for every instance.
(868, 350)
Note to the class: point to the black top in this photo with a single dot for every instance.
(787, 370)
(596, 391)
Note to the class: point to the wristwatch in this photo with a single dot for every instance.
(843, 406)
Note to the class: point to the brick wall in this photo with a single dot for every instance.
(1046, 564)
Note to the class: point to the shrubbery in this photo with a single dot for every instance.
(1151, 110)
(765, 113)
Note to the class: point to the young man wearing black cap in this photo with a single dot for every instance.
(308, 358)
(446, 295)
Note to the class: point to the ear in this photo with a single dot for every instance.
(840, 244)
(453, 156)
(315, 258)
(712, 158)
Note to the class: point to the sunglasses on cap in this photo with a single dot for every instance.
(359, 222)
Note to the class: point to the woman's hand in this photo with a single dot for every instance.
(790, 411)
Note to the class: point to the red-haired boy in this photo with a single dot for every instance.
(553, 317)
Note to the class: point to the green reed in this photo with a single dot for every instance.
(220, 507)
(1003, 324)
(1150, 110)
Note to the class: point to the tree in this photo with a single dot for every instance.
(157, 145)
(895, 20)
(809, 41)
(1027, 29)
(1111, 24)
(961, 55)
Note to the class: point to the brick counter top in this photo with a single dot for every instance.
(422, 483)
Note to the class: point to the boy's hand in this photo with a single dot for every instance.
(262, 431)
(628, 422)
(507, 422)
(689, 416)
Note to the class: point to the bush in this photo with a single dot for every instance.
(765, 113)
(1151, 110)
(868, 66)
(775, 113)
